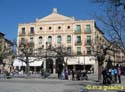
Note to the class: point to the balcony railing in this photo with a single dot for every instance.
(78, 43)
(88, 43)
(87, 32)
(28, 44)
(31, 33)
(77, 32)
(69, 41)
(79, 53)
(22, 34)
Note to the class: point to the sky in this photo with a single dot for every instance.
(14, 12)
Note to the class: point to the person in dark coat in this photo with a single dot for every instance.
(119, 75)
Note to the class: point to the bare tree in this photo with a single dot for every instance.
(113, 19)
(62, 53)
(25, 54)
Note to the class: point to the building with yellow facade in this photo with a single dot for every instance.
(82, 38)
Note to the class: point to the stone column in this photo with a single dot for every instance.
(96, 67)
(54, 66)
(35, 69)
(19, 67)
(44, 65)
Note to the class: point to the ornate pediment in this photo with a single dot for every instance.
(55, 16)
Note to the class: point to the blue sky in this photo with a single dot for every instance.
(13, 12)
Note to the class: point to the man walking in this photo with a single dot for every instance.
(115, 74)
(119, 74)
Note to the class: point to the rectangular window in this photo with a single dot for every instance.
(22, 40)
(78, 50)
(23, 30)
(59, 39)
(88, 50)
(68, 39)
(88, 29)
(31, 44)
(31, 39)
(32, 30)
(49, 40)
(69, 50)
(88, 40)
(78, 28)
(40, 41)
(78, 39)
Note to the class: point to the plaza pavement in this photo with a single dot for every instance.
(50, 85)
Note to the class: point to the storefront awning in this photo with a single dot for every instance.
(80, 60)
(18, 62)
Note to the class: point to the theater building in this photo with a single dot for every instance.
(82, 38)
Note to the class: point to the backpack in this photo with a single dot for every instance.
(119, 71)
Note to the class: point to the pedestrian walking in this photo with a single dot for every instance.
(115, 74)
(112, 74)
(73, 73)
(119, 74)
(66, 73)
(104, 76)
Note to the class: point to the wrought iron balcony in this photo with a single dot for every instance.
(22, 34)
(88, 43)
(77, 32)
(30, 34)
(87, 32)
(31, 44)
(78, 43)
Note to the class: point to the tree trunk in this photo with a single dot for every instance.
(99, 72)
(28, 70)
(27, 67)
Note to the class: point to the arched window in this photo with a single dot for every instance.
(69, 50)
(59, 39)
(78, 39)
(31, 39)
(40, 39)
(50, 39)
(68, 39)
